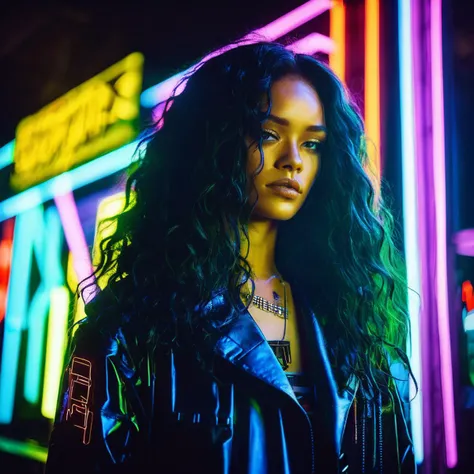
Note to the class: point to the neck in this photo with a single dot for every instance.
(261, 256)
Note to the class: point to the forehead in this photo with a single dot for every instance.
(295, 99)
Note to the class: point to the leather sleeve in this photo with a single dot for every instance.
(94, 429)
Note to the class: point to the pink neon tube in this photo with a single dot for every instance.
(274, 30)
(292, 20)
(313, 43)
(75, 238)
(441, 257)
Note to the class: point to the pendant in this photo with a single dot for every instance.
(282, 351)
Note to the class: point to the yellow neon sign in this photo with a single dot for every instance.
(95, 117)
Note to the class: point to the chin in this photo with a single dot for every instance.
(276, 212)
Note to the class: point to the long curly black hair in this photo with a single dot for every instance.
(179, 237)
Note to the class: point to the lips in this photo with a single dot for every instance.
(288, 183)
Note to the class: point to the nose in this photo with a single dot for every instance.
(291, 159)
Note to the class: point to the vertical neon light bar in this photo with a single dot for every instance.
(16, 312)
(437, 98)
(412, 255)
(6, 245)
(57, 326)
(37, 311)
(372, 86)
(47, 243)
(337, 31)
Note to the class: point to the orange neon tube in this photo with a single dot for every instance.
(337, 32)
(372, 86)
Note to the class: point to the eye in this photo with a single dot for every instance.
(314, 145)
(269, 136)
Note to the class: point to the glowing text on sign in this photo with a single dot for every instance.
(98, 116)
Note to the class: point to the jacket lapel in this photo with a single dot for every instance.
(241, 342)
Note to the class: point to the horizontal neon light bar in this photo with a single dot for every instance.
(6, 154)
(274, 30)
(24, 449)
(94, 170)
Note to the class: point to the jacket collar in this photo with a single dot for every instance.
(242, 343)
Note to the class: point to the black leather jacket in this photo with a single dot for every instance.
(122, 410)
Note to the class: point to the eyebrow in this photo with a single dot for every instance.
(311, 128)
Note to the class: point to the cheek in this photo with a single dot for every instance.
(312, 174)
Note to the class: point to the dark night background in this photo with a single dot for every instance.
(48, 48)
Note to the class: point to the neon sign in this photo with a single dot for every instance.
(99, 115)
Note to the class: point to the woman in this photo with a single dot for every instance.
(254, 316)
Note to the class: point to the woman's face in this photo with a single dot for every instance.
(292, 138)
